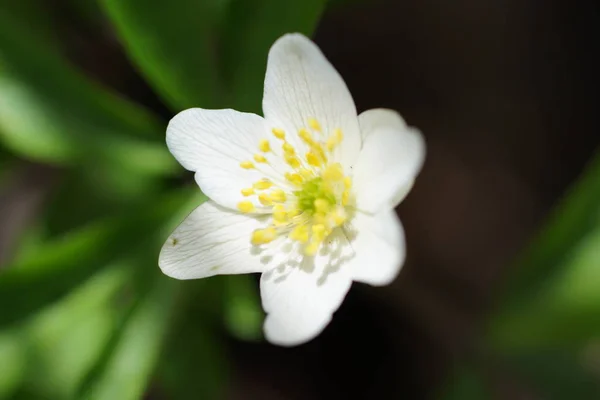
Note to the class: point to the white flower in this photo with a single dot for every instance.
(305, 195)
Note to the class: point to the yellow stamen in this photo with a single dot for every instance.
(278, 133)
(313, 159)
(347, 182)
(248, 191)
(306, 137)
(288, 148)
(314, 124)
(247, 164)
(246, 206)
(262, 236)
(279, 214)
(263, 184)
(345, 197)
(299, 233)
(294, 178)
(265, 199)
(264, 146)
(322, 206)
(318, 230)
(259, 158)
(333, 172)
(278, 195)
(306, 173)
(339, 136)
(292, 161)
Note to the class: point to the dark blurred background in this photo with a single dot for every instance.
(506, 94)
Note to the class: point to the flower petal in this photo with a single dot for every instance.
(211, 241)
(391, 156)
(378, 241)
(213, 143)
(300, 84)
(301, 297)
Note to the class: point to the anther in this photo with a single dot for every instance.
(262, 236)
(313, 159)
(259, 158)
(264, 146)
(321, 205)
(314, 124)
(265, 199)
(296, 179)
(292, 161)
(247, 164)
(299, 233)
(278, 195)
(278, 133)
(288, 148)
(246, 206)
(263, 184)
(248, 192)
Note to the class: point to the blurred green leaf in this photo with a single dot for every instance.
(553, 298)
(252, 27)
(174, 44)
(465, 383)
(59, 265)
(13, 366)
(54, 114)
(242, 310)
(66, 340)
(193, 345)
(35, 15)
(208, 54)
(132, 361)
(556, 375)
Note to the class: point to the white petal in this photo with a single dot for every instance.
(300, 84)
(211, 241)
(379, 245)
(213, 143)
(301, 297)
(391, 156)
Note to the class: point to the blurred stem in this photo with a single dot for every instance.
(553, 298)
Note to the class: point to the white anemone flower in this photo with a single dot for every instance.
(305, 196)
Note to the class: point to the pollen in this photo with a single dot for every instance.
(280, 215)
(322, 206)
(314, 124)
(264, 146)
(265, 199)
(247, 192)
(300, 233)
(317, 198)
(246, 206)
(278, 195)
(334, 172)
(278, 133)
(306, 137)
(263, 184)
(262, 236)
(296, 179)
(288, 148)
(347, 182)
(313, 159)
(259, 158)
(292, 161)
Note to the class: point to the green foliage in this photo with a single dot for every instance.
(209, 54)
(90, 315)
(553, 298)
(55, 114)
